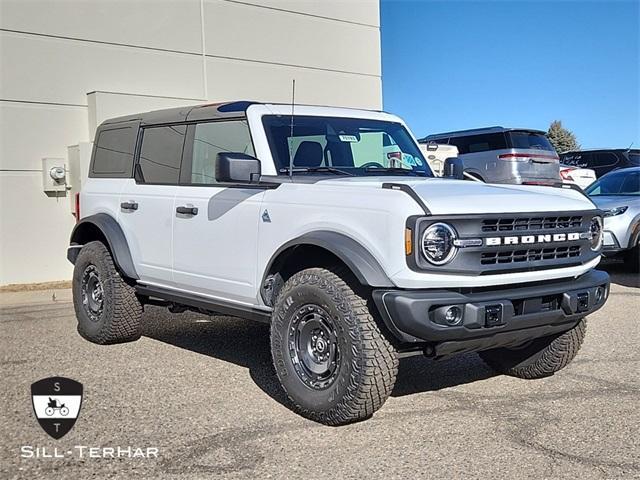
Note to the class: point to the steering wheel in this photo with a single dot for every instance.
(372, 164)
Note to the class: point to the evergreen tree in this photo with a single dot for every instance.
(561, 138)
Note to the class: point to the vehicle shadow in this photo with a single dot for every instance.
(619, 273)
(246, 343)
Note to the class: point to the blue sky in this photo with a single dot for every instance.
(449, 65)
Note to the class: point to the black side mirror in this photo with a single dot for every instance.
(235, 167)
(453, 168)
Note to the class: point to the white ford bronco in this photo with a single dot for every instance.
(328, 224)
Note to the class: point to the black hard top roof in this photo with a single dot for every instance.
(208, 111)
(478, 131)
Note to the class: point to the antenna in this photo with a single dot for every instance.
(293, 102)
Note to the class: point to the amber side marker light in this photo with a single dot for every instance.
(408, 242)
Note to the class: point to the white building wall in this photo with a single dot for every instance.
(139, 55)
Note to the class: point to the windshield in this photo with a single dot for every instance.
(343, 146)
(617, 183)
(634, 158)
(530, 141)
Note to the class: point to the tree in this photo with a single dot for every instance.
(561, 138)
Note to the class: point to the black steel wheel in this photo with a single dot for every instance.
(107, 308)
(92, 293)
(313, 347)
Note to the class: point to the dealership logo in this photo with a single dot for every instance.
(532, 239)
(56, 403)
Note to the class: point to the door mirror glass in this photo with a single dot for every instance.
(235, 167)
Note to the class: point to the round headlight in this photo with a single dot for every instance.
(597, 235)
(437, 243)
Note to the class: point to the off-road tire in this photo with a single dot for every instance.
(367, 365)
(541, 358)
(120, 318)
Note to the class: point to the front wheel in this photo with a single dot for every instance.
(632, 259)
(541, 357)
(330, 356)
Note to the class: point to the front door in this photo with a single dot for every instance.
(215, 226)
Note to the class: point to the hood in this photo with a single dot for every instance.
(607, 202)
(450, 197)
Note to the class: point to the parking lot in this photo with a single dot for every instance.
(201, 389)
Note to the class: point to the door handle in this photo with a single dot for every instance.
(187, 210)
(129, 205)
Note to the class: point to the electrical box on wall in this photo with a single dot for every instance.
(79, 157)
(54, 176)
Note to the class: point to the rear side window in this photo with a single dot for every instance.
(530, 141)
(605, 159)
(113, 155)
(209, 139)
(479, 143)
(161, 154)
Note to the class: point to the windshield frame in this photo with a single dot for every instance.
(421, 167)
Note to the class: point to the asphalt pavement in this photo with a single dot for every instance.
(201, 390)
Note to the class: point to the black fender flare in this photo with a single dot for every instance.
(355, 256)
(114, 236)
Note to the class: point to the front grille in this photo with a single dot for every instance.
(530, 223)
(529, 255)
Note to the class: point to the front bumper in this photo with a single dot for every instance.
(491, 317)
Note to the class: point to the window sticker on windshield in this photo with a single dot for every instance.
(418, 161)
(348, 138)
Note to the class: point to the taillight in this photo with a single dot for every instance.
(522, 157)
(76, 209)
(565, 174)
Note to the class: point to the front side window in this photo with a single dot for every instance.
(347, 146)
(161, 154)
(213, 138)
(530, 141)
(634, 158)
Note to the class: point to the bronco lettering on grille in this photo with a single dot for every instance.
(532, 239)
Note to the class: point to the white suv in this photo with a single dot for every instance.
(302, 219)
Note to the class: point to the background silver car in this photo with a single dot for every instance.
(618, 194)
(504, 155)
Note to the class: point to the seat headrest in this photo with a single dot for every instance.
(309, 154)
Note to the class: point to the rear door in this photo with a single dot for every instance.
(146, 202)
(216, 226)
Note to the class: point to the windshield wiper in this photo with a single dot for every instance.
(405, 171)
(337, 171)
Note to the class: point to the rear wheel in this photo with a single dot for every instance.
(540, 358)
(107, 308)
(330, 356)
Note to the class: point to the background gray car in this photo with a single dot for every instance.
(618, 194)
(504, 155)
